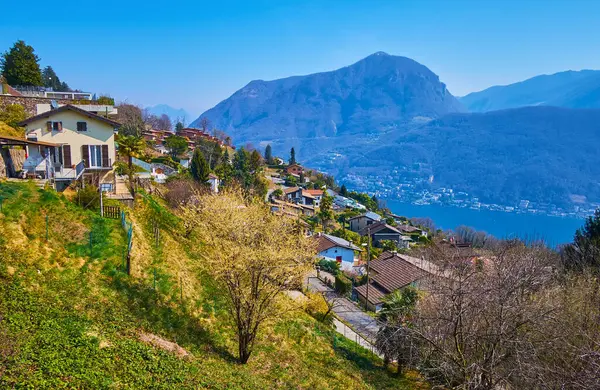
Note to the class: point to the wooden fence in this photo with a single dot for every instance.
(111, 212)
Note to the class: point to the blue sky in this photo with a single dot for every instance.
(195, 54)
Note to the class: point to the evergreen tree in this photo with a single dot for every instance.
(177, 145)
(584, 252)
(375, 203)
(292, 156)
(178, 128)
(255, 161)
(241, 167)
(51, 80)
(344, 190)
(302, 179)
(269, 154)
(199, 167)
(325, 210)
(20, 66)
(224, 169)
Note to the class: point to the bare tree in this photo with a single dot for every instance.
(164, 123)
(130, 116)
(472, 328)
(204, 124)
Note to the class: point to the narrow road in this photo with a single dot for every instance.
(345, 309)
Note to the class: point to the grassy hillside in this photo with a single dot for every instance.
(71, 318)
(10, 131)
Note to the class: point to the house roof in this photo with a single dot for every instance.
(376, 296)
(369, 214)
(315, 192)
(69, 107)
(326, 241)
(408, 228)
(7, 140)
(378, 228)
(393, 272)
(291, 190)
(294, 165)
(286, 204)
(306, 194)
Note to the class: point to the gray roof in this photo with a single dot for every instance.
(369, 214)
(341, 242)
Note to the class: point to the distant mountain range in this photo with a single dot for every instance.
(565, 89)
(373, 95)
(387, 116)
(175, 114)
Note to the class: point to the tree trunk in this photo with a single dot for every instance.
(244, 347)
(130, 174)
(398, 372)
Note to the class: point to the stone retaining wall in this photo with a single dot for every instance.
(28, 102)
(11, 161)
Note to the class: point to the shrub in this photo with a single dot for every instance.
(329, 266)
(343, 285)
(88, 197)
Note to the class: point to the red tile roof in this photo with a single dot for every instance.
(314, 192)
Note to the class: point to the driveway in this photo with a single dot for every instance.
(348, 311)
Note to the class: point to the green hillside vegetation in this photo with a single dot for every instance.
(70, 317)
(10, 131)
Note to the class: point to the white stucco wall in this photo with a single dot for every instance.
(98, 133)
(347, 256)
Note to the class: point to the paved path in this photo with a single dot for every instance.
(347, 310)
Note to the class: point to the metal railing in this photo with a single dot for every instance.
(79, 168)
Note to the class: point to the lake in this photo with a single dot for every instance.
(554, 230)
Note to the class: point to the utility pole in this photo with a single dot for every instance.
(368, 262)
(101, 208)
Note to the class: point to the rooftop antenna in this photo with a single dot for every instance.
(53, 104)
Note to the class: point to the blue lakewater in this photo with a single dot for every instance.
(554, 230)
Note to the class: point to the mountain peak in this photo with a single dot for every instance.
(380, 53)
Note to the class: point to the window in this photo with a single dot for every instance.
(56, 126)
(338, 259)
(106, 187)
(95, 156)
(81, 126)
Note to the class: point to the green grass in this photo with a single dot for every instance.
(71, 318)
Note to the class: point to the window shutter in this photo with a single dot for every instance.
(105, 163)
(85, 155)
(81, 126)
(67, 155)
(49, 126)
(59, 126)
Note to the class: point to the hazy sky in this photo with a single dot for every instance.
(195, 54)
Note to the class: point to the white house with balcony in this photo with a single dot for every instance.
(68, 143)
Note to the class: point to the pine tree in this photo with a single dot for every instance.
(178, 128)
(199, 167)
(51, 80)
(344, 190)
(292, 156)
(255, 160)
(20, 66)
(269, 154)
